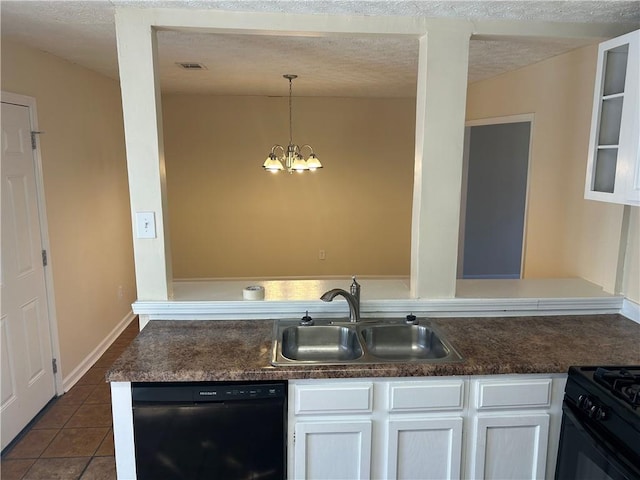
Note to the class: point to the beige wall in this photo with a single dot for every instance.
(220, 226)
(566, 235)
(86, 191)
(230, 218)
(631, 275)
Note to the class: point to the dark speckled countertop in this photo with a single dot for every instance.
(213, 350)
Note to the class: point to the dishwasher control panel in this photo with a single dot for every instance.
(199, 392)
(238, 392)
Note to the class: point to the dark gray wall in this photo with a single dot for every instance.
(496, 196)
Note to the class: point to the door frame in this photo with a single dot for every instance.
(30, 103)
(517, 118)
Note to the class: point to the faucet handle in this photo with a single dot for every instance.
(306, 321)
(411, 319)
(354, 289)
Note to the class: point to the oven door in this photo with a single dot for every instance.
(585, 454)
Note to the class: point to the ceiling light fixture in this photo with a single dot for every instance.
(291, 158)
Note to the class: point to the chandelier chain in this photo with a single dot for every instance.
(290, 114)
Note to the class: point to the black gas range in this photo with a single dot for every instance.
(600, 437)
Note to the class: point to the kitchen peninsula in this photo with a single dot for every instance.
(522, 358)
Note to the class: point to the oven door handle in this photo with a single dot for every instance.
(598, 442)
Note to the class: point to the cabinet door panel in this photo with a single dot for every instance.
(511, 447)
(332, 450)
(425, 449)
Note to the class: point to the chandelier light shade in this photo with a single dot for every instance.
(291, 158)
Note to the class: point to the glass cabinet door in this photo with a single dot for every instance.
(613, 151)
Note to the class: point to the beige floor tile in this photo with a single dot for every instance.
(76, 442)
(56, 416)
(100, 468)
(107, 447)
(94, 376)
(91, 415)
(57, 469)
(15, 469)
(100, 394)
(121, 344)
(106, 361)
(110, 355)
(132, 329)
(77, 395)
(114, 351)
(33, 444)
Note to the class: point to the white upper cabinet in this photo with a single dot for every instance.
(613, 168)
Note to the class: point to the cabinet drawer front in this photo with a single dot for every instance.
(344, 398)
(514, 394)
(409, 396)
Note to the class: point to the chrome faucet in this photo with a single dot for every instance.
(352, 297)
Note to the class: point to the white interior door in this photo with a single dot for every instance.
(25, 334)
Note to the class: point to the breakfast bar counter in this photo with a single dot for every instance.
(221, 350)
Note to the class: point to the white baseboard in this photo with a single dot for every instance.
(77, 373)
(631, 310)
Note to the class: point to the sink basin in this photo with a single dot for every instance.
(403, 342)
(328, 343)
(383, 340)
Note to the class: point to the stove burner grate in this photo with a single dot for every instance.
(622, 383)
(631, 393)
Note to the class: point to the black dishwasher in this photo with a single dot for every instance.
(210, 430)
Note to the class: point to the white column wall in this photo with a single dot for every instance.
(440, 116)
(142, 112)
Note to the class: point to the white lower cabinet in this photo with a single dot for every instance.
(515, 425)
(424, 448)
(333, 450)
(496, 427)
(332, 429)
(424, 429)
(510, 447)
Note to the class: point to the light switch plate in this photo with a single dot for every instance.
(145, 225)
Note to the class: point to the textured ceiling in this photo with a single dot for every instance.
(84, 33)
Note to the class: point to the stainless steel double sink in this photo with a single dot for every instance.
(366, 341)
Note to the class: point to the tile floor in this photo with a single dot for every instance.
(72, 437)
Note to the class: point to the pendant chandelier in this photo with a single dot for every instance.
(290, 158)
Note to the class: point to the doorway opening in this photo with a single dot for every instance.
(494, 198)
